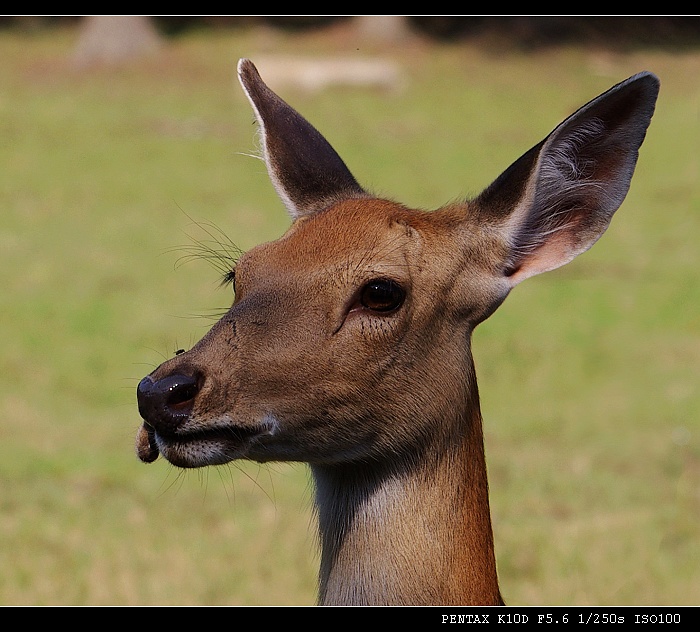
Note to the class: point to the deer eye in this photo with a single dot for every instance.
(382, 295)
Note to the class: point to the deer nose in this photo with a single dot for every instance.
(168, 402)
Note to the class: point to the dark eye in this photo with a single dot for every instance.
(382, 295)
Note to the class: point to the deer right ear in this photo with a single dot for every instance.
(305, 170)
(557, 200)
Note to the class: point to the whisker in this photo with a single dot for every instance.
(216, 248)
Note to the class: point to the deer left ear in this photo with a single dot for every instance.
(557, 200)
(305, 170)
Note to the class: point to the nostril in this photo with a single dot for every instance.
(181, 393)
(167, 402)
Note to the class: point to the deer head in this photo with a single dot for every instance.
(348, 344)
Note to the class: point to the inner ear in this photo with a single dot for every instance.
(527, 260)
(567, 203)
(557, 200)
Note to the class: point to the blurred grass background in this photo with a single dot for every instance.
(588, 375)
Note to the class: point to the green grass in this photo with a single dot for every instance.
(589, 375)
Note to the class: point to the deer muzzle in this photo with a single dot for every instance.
(164, 405)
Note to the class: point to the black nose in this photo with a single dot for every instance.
(168, 402)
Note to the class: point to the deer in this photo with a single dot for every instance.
(348, 345)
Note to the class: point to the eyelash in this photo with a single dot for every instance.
(230, 279)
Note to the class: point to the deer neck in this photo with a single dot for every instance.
(415, 534)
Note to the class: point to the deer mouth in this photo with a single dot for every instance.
(197, 448)
(146, 445)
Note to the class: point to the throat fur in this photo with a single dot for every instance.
(419, 536)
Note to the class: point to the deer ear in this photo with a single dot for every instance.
(557, 200)
(305, 170)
